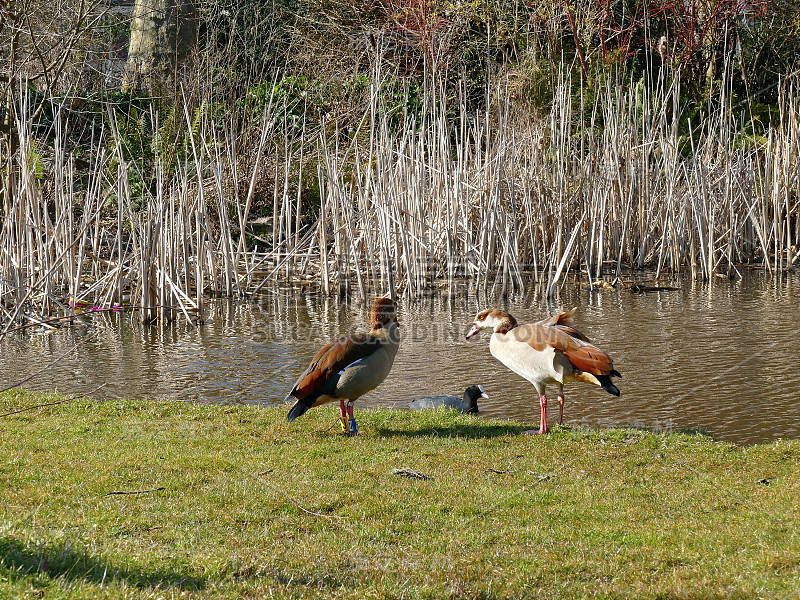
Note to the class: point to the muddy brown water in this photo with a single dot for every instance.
(719, 356)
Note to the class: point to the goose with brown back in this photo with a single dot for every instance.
(349, 367)
(548, 351)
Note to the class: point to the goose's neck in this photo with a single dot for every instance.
(388, 333)
(506, 324)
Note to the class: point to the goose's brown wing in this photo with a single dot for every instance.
(581, 353)
(332, 358)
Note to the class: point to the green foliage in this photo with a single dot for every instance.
(245, 42)
(135, 129)
(35, 161)
(403, 102)
(153, 138)
(291, 97)
(472, 43)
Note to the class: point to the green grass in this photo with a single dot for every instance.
(236, 502)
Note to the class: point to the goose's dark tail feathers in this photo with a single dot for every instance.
(300, 406)
(605, 383)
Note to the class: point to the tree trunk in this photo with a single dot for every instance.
(163, 32)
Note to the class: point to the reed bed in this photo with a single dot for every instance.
(407, 204)
(515, 203)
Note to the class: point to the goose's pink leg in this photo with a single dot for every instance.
(560, 407)
(543, 423)
(343, 418)
(353, 427)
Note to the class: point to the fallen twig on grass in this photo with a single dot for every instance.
(35, 406)
(311, 512)
(158, 489)
(27, 408)
(285, 497)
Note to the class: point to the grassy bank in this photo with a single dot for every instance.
(168, 499)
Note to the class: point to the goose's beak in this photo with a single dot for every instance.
(473, 330)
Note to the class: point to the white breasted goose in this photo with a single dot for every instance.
(347, 368)
(467, 404)
(548, 351)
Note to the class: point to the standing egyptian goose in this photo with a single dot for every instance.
(548, 351)
(347, 368)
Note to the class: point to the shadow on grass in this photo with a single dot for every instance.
(465, 431)
(18, 561)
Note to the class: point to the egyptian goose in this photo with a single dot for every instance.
(548, 351)
(347, 368)
(467, 404)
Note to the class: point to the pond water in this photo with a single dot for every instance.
(719, 356)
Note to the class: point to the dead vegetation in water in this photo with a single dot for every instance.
(404, 205)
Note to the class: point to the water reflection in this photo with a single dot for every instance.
(716, 356)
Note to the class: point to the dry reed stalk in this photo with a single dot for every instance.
(409, 201)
